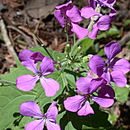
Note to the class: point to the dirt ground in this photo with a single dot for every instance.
(24, 20)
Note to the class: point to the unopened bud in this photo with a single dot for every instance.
(78, 49)
(77, 69)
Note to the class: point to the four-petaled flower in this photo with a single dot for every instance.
(112, 69)
(31, 109)
(70, 15)
(102, 24)
(87, 86)
(108, 3)
(27, 82)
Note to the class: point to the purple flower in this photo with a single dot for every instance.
(113, 69)
(70, 15)
(92, 3)
(102, 24)
(32, 109)
(87, 86)
(27, 82)
(108, 3)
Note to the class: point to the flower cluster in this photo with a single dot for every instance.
(100, 73)
(95, 87)
(70, 16)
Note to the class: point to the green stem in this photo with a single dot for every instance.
(67, 43)
(89, 28)
(74, 47)
(78, 42)
(74, 38)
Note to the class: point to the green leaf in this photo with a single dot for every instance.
(10, 103)
(112, 31)
(71, 121)
(101, 52)
(15, 72)
(127, 21)
(121, 94)
(86, 43)
(112, 118)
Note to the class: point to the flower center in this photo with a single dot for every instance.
(39, 74)
(87, 96)
(110, 70)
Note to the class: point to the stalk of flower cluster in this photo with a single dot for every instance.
(89, 28)
(93, 18)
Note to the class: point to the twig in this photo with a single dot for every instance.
(6, 38)
(125, 39)
(26, 38)
(26, 30)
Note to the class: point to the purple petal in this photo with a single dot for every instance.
(74, 14)
(52, 126)
(92, 3)
(25, 55)
(120, 65)
(119, 78)
(74, 103)
(60, 17)
(105, 96)
(88, 12)
(26, 61)
(112, 2)
(95, 84)
(104, 22)
(79, 31)
(106, 91)
(106, 76)
(111, 50)
(112, 14)
(47, 66)
(85, 110)
(83, 84)
(31, 65)
(94, 32)
(26, 82)
(96, 64)
(52, 112)
(64, 5)
(103, 102)
(50, 86)
(37, 56)
(30, 108)
(35, 125)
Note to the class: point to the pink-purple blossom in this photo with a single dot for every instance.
(85, 89)
(27, 82)
(108, 3)
(113, 69)
(102, 21)
(68, 15)
(31, 109)
(102, 24)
